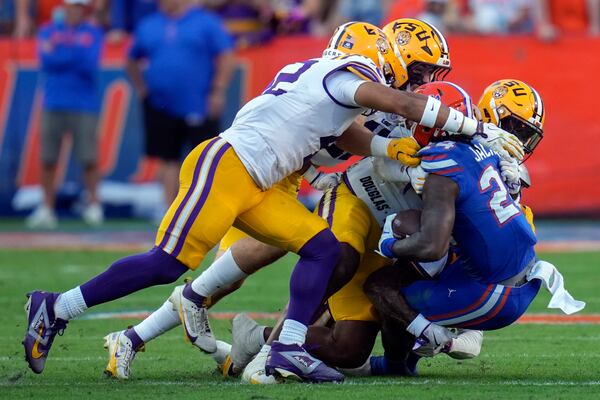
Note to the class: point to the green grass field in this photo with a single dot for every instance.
(522, 361)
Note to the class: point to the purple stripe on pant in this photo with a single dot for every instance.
(332, 206)
(167, 235)
(203, 196)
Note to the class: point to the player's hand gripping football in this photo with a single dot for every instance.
(404, 150)
(497, 139)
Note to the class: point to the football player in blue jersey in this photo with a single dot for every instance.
(469, 217)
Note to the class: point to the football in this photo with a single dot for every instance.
(406, 223)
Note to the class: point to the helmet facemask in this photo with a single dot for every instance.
(420, 73)
(529, 134)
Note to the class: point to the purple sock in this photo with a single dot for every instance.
(189, 294)
(308, 284)
(131, 274)
(136, 340)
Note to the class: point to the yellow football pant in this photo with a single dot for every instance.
(215, 193)
(352, 222)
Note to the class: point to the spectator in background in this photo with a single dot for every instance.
(434, 13)
(567, 16)
(7, 13)
(126, 14)
(248, 21)
(69, 51)
(180, 64)
(30, 14)
(502, 16)
(370, 11)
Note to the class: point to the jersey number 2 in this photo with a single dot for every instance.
(285, 76)
(500, 203)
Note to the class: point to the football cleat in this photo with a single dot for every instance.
(42, 328)
(255, 374)
(120, 355)
(246, 341)
(467, 344)
(292, 361)
(194, 320)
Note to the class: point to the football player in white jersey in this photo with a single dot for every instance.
(249, 254)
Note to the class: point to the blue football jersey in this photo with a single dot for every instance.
(492, 232)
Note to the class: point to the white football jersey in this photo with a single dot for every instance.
(382, 198)
(307, 106)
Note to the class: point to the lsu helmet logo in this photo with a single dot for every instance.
(500, 92)
(403, 38)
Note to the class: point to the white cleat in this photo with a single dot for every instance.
(120, 355)
(247, 340)
(194, 320)
(466, 345)
(93, 214)
(42, 218)
(254, 373)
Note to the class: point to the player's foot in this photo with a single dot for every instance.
(194, 319)
(247, 335)
(120, 355)
(93, 214)
(291, 361)
(222, 354)
(467, 344)
(42, 217)
(42, 328)
(254, 372)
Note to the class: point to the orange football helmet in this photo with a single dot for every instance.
(451, 95)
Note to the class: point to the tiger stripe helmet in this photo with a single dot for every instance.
(421, 48)
(367, 40)
(517, 108)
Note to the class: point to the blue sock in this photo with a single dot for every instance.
(383, 366)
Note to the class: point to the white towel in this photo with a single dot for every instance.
(554, 283)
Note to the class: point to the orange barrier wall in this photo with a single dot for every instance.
(565, 168)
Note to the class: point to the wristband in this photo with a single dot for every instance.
(469, 127)
(379, 146)
(432, 108)
(418, 325)
(454, 122)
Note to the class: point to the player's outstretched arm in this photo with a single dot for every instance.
(417, 107)
(431, 242)
(430, 112)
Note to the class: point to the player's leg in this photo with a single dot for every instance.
(53, 127)
(204, 210)
(282, 221)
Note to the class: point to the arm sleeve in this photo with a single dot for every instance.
(341, 86)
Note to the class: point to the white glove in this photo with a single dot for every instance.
(391, 170)
(511, 175)
(504, 143)
(387, 239)
(321, 180)
(417, 178)
(428, 350)
(427, 332)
